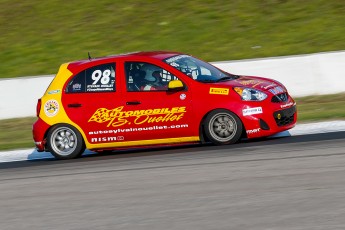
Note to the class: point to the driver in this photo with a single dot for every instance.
(153, 78)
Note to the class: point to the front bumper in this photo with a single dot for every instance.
(274, 119)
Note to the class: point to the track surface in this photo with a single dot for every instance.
(286, 183)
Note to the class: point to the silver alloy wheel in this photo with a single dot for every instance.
(222, 127)
(63, 141)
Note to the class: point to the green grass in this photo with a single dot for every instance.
(16, 133)
(315, 108)
(37, 36)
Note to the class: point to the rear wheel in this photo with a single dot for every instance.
(65, 142)
(222, 127)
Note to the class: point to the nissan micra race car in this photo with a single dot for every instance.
(155, 98)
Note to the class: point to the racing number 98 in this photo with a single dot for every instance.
(98, 75)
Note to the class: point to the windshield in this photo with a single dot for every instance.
(198, 70)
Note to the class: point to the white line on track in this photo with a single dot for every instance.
(300, 129)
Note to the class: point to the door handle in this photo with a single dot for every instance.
(76, 105)
(133, 103)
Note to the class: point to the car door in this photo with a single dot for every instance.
(90, 99)
(151, 112)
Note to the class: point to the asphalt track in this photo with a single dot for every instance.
(295, 182)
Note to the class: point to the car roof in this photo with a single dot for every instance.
(159, 55)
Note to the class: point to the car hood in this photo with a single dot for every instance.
(259, 83)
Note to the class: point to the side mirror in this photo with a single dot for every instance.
(175, 85)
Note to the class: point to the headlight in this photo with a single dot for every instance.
(248, 94)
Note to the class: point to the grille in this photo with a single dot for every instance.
(285, 116)
(282, 97)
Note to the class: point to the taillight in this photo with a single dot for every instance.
(38, 107)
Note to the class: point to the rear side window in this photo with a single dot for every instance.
(99, 78)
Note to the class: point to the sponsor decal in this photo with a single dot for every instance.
(51, 108)
(276, 90)
(183, 96)
(251, 82)
(103, 139)
(128, 130)
(117, 117)
(99, 88)
(252, 131)
(222, 91)
(76, 87)
(175, 58)
(286, 105)
(269, 86)
(252, 111)
(54, 91)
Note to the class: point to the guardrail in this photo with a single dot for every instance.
(303, 75)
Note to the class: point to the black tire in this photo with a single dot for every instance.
(222, 127)
(65, 142)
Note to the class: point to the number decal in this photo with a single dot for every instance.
(98, 75)
(106, 77)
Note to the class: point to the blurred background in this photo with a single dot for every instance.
(37, 36)
(285, 183)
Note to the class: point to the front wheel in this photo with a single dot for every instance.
(65, 142)
(222, 127)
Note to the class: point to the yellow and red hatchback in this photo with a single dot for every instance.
(155, 98)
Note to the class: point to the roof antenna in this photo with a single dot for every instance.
(88, 53)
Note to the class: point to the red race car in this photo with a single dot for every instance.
(155, 98)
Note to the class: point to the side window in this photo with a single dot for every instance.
(99, 78)
(141, 76)
(77, 84)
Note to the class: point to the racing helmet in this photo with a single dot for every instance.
(153, 73)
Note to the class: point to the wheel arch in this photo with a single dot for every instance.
(203, 137)
(67, 124)
(71, 126)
